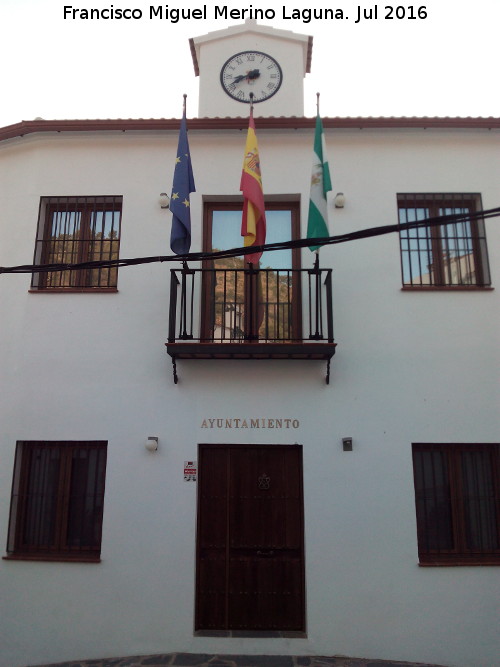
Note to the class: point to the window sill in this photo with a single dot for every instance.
(461, 563)
(447, 288)
(54, 558)
(78, 290)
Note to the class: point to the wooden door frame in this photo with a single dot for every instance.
(209, 207)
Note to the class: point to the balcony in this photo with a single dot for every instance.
(246, 313)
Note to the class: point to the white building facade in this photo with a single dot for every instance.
(140, 567)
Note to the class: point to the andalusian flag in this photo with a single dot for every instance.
(317, 223)
(183, 185)
(253, 223)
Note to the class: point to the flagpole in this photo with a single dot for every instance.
(250, 264)
(316, 252)
(316, 270)
(253, 229)
(182, 186)
(184, 262)
(251, 328)
(317, 221)
(185, 267)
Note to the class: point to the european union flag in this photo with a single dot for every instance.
(183, 185)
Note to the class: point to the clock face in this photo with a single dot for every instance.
(251, 72)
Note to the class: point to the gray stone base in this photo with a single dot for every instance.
(209, 660)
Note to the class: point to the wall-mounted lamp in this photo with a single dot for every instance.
(151, 443)
(339, 200)
(164, 200)
(347, 444)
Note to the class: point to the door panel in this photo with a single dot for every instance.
(250, 570)
(211, 606)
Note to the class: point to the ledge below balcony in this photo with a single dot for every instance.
(319, 351)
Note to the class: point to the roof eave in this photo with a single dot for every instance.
(270, 122)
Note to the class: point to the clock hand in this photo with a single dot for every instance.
(251, 75)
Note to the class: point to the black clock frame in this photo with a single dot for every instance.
(241, 53)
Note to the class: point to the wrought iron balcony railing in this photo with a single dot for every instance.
(247, 313)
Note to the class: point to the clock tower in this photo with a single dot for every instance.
(249, 58)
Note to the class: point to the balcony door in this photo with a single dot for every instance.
(239, 305)
(250, 557)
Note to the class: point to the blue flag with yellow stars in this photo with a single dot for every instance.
(183, 185)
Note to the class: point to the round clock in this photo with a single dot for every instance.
(251, 72)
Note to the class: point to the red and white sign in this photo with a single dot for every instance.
(190, 469)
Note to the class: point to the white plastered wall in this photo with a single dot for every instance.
(409, 367)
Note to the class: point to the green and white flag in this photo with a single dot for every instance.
(317, 223)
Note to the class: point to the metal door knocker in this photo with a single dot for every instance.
(264, 481)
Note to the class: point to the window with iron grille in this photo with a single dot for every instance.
(457, 503)
(452, 254)
(72, 230)
(57, 500)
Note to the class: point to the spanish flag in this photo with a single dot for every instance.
(253, 223)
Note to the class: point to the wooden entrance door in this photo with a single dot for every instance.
(250, 554)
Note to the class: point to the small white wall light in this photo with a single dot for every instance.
(164, 200)
(339, 200)
(347, 444)
(151, 443)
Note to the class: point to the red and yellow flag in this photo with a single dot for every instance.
(253, 223)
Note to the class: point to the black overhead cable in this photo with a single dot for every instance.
(236, 252)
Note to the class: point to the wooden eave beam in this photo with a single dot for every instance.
(275, 123)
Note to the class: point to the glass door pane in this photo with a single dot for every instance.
(237, 297)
